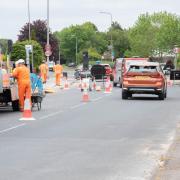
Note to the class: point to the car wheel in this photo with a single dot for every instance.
(120, 85)
(114, 84)
(124, 94)
(161, 96)
(15, 105)
(111, 78)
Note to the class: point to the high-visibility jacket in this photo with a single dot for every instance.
(43, 68)
(22, 74)
(58, 69)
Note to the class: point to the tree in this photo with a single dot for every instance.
(120, 39)
(154, 34)
(39, 34)
(20, 53)
(87, 36)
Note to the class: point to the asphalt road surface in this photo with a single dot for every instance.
(105, 139)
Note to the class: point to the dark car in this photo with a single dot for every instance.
(101, 71)
(71, 64)
(80, 74)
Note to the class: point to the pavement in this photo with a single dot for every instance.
(105, 139)
(169, 164)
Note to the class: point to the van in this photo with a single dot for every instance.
(117, 72)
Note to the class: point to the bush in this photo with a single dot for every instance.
(19, 52)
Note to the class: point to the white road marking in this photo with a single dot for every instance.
(78, 105)
(97, 99)
(11, 128)
(51, 115)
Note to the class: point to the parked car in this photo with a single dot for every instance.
(101, 71)
(144, 78)
(117, 72)
(80, 74)
(71, 64)
(51, 65)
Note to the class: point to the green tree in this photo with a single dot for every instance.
(20, 53)
(87, 37)
(39, 34)
(154, 34)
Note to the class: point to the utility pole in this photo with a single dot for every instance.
(48, 29)
(29, 21)
(76, 50)
(112, 52)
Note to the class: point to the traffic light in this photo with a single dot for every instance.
(10, 43)
(85, 60)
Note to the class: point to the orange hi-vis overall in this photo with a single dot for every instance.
(22, 74)
(58, 71)
(44, 72)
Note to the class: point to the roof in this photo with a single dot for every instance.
(136, 63)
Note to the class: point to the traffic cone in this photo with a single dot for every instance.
(66, 85)
(94, 84)
(107, 86)
(98, 88)
(85, 97)
(170, 83)
(27, 113)
(80, 84)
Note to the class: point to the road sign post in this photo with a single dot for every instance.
(28, 51)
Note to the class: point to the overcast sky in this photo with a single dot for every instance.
(63, 13)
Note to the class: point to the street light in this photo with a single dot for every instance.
(29, 20)
(76, 46)
(47, 28)
(108, 13)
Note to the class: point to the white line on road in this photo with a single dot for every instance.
(14, 127)
(78, 105)
(50, 115)
(97, 99)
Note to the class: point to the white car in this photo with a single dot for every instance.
(117, 72)
(51, 65)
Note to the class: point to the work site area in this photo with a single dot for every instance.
(90, 99)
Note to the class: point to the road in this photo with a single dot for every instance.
(105, 139)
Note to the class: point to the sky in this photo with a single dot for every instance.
(63, 13)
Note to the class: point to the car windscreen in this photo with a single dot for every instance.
(143, 69)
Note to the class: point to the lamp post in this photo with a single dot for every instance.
(48, 29)
(110, 14)
(29, 21)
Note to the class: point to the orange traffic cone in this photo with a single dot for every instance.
(94, 84)
(80, 84)
(85, 97)
(27, 114)
(66, 85)
(107, 86)
(170, 83)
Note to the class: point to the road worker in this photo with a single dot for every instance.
(3, 69)
(43, 71)
(58, 73)
(22, 74)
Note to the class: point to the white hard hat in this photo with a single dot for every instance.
(17, 62)
(21, 61)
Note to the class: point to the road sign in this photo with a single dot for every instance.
(28, 48)
(48, 51)
(48, 47)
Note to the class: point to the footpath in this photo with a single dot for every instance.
(169, 168)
